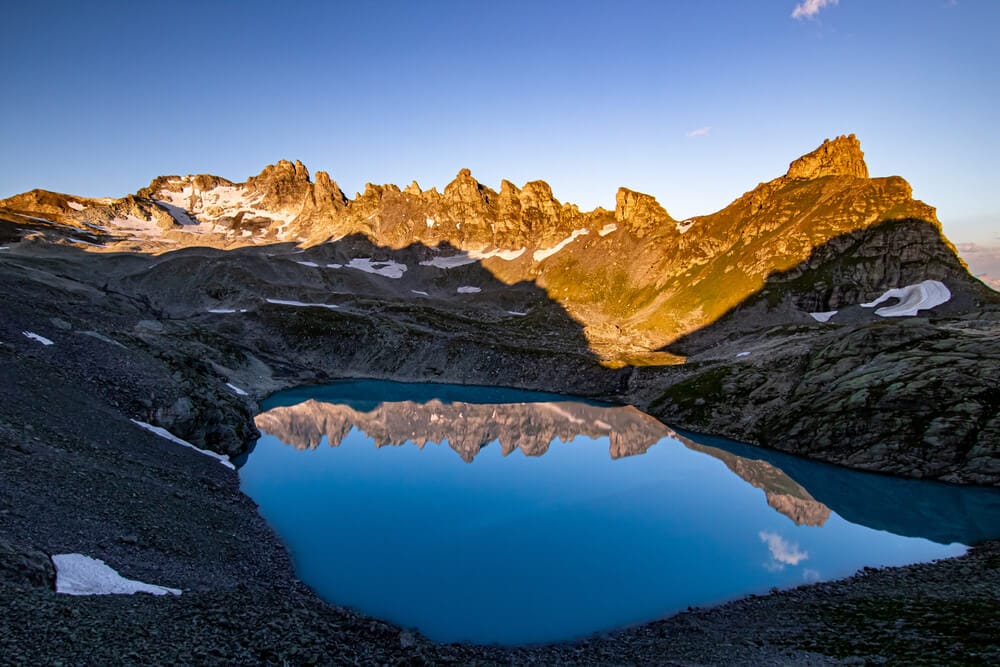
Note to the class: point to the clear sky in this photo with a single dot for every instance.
(693, 102)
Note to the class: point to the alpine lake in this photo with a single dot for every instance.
(491, 515)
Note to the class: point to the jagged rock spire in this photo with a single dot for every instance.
(840, 157)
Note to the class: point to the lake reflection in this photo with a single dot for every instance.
(433, 506)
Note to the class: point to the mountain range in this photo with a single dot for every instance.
(822, 312)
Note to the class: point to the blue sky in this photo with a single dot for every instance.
(101, 97)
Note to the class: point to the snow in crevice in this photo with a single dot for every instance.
(824, 316)
(516, 313)
(82, 242)
(237, 390)
(305, 263)
(164, 433)
(420, 292)
(300, 304)
(742, 354)
(607, 229)
(468, 289)
(35, 337)
(539, 255)
(912, 298)
(77, 574)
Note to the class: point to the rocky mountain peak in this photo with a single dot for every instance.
(639, 211)
(466, 190)
(840, 157)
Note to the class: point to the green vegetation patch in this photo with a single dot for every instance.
(696, 396)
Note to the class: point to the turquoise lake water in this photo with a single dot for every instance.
(501, 516)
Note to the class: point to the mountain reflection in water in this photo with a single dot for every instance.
(529, 427)
(495, 515)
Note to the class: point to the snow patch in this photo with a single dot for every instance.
(421, 293)
(539, 255)
(77, 574)
(450, 262)
(312, 264)
(236, 389)
(912, 298)
(468, 289)
(221, 311)
(388, 268)
(75, 206)
(607, 229)
(4, 247)
(82, 242)
(470, 256)
(334, 266)
(430, 222)
(685, 225)
(300, 304)
(41, 339)
(164, 433)
(742, 354)
(516, 313)
(824, 317)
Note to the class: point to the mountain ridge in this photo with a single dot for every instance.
(636, 277)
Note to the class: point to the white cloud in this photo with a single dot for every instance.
(700, 132)
(810, 8)
(782, 551)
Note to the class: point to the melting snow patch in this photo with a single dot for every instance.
(824, 317)
(312, 264)
(684, 225)
(539, 255)
(238, 391)
(468, 289)
(421, 293)
(461, 259)
(388, 268)
(75, 206)
(607, 229)
(77, 574)
(923, 295)
(282, 302)
(41, 339)
(164, 433)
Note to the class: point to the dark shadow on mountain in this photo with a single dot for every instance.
(352, 308)
(942, 513)
(842, 273)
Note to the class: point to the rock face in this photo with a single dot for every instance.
(840, 157)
